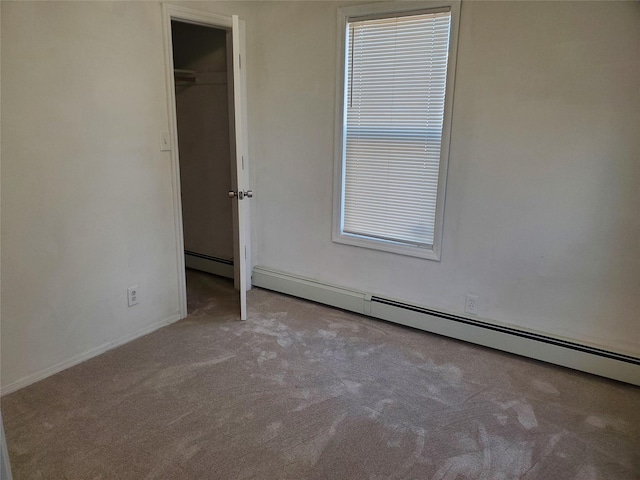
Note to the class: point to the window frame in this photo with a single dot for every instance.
(382, 10)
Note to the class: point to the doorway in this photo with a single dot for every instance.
(209, 157)
(203, 109)
(204, 116)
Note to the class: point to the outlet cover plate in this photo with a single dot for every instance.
(133, 295)
(471, 304)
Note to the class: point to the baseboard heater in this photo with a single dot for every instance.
(207, 263)
(534, 345)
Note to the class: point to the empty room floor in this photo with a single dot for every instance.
(302, 391)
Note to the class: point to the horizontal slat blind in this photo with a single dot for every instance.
(396, 79)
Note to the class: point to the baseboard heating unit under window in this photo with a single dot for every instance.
(529, 344)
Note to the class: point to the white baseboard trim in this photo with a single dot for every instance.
(217, 266)
(536, 345)
(94, 352)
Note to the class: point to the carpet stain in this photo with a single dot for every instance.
(596, 421)
(524, 411)
(328, 334)
(214, 361)
(545, 387)
(526, 416)
(264, 356)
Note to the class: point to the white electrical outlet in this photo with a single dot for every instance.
(471, 304)
(133, 294)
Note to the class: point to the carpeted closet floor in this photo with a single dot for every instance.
(304, 391)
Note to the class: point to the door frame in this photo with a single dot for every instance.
(173, 12)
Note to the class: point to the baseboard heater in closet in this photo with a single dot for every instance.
(207, 263)
(529, 344)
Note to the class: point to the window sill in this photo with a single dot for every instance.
(426, 253)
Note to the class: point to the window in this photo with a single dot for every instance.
(394, 116)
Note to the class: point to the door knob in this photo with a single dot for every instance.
(241, 194)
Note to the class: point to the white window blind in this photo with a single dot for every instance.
(396, 71)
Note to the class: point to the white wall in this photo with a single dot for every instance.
(541, 217)
(86, 192)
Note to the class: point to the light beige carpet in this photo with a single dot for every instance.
(304, 391)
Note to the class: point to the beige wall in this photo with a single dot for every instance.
(541, 219)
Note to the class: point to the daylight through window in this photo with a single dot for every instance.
(394, 106)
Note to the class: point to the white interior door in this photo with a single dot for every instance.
(243, 193)
(242, 241)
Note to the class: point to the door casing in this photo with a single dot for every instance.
(235, 28)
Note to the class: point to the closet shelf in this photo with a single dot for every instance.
(184, 75)
(191, 77)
